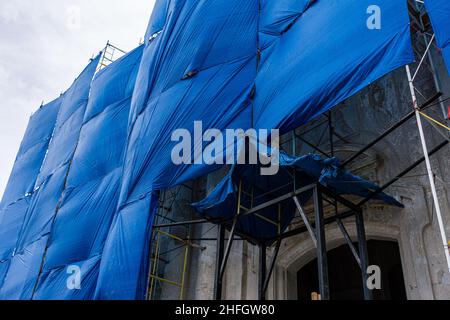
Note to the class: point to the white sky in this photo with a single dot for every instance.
(44, 45)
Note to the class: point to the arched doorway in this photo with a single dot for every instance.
(345, 276)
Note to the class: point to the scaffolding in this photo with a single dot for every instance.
(326, 207)
(110, 54)
(156, 259)
(170, 245)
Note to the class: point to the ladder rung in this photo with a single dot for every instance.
(166, 281)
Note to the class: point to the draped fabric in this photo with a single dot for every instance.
(88, 205)
(32, 231)
(16, 198)
(230, 64)
(237, 64)
(439, 12)
(31, 153)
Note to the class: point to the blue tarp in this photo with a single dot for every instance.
(221, 203)
(232, 65)
(126, 253)
(439, 12)
(87, 209)
(336, 57)
(28, 248)
(31, 153)
(293, 82)
(16, 198)
(228, 63)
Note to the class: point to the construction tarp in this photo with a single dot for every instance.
(244, 182)
(203, 65)
(31, 153)
(230, 64)
(327, 54)
(439, 12)
(21, 185)
(88, 206)
(237, 64)
(30, 243)
(16, 198)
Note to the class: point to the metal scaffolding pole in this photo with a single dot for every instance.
(272, 266)
(322, 262)
(219, 258)
(363, 254)
(428, 163)
(262, 271)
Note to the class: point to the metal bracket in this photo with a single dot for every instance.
(305, 219)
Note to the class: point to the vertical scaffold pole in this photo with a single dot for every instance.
(219, 259)
(262, 272)
(322, 263)
(429, 169)
(363, 254)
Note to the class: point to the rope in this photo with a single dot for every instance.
(433, 120)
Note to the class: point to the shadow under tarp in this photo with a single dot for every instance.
(221, 204)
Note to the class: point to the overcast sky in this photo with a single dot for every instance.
(44, 45)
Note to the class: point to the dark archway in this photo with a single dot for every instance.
(345, 275)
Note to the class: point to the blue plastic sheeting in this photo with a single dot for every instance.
(31, 153)
(52, 178)
(221, 203)
(20, 278)
(11, 220)
(328, 55)
(53, 283)
(222, 50)
(277, 17)
(4, 265)
(125, 262)
(41, 210)
(30, 242)
(201, 61)
(229, 63)
(439, 12)
(87, 209)
(114, 83)
(19, 191)
(295, 80)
